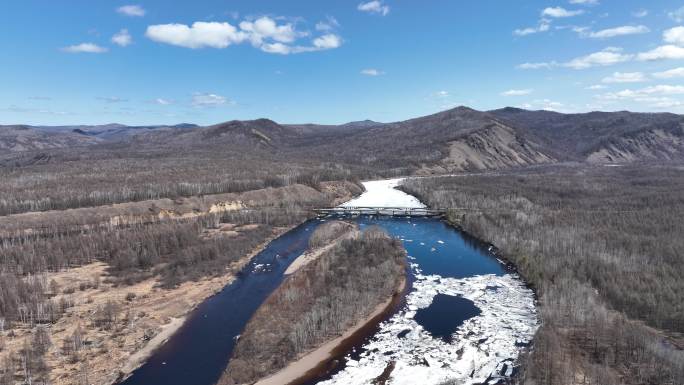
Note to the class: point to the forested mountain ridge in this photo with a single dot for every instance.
(140, 210)
(20, 138)
(459, 139)
(152, 162)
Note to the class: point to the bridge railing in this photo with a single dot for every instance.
(366, 210)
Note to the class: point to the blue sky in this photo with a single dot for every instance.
(207, 61)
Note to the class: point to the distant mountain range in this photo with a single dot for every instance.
(453, 140)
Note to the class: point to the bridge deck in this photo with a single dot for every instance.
(389, 211)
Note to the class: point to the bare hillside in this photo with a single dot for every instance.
(26, 138)
(601, 136)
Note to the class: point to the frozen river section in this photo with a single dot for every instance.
(382, 193)
(495, 320)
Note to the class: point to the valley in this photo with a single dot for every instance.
(370, 192)
(147, 260)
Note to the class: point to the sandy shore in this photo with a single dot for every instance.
(312, 255)
(297, 370)
(140, 356)
(114, 353)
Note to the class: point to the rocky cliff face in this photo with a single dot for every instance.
(657, 144)
(495, 147)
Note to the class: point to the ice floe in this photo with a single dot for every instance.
(261, 268)
(483, 349)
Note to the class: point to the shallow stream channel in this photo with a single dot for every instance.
(465, 317)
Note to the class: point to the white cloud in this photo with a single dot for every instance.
(131, 10)
(617, 31)
(644, 94)
(328, 25)
(209, 100)
(560, 12)
(279, 48)
(665, 102)
(543, 26)
(516, 92)
(122, 38)
(625, 77)
(328, 41)
(669, 74)
(525, 31)
(19, 109)
(663, 89)
(605, 57)
(85, 48)
(201, 34)
(640, 13)
(663, 52)
(374, 6)
(111, 99)
(163, 102)
(596, 87)
(536, 66)
(325, 42)
(677, 15)
(263, 33)
(265, 28)
(371, 72)
(674, 35)
(544, 104)
(584, 2)
(659, 96)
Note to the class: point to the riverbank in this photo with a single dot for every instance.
(585, 232)
(343, 230)
(144, 317)
(322, 301)
(109, 285)
(209, 288)
(403, 350)
(316, 361)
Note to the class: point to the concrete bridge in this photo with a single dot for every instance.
(388, 211)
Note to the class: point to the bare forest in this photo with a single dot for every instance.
(150, 213)
(319, 301)
(603, 248)
(196, 242)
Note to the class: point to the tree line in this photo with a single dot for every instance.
(603, 248)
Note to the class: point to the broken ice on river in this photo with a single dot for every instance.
(483, 349)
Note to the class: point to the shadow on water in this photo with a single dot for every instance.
(198, 352)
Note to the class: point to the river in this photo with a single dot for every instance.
(465, 317)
